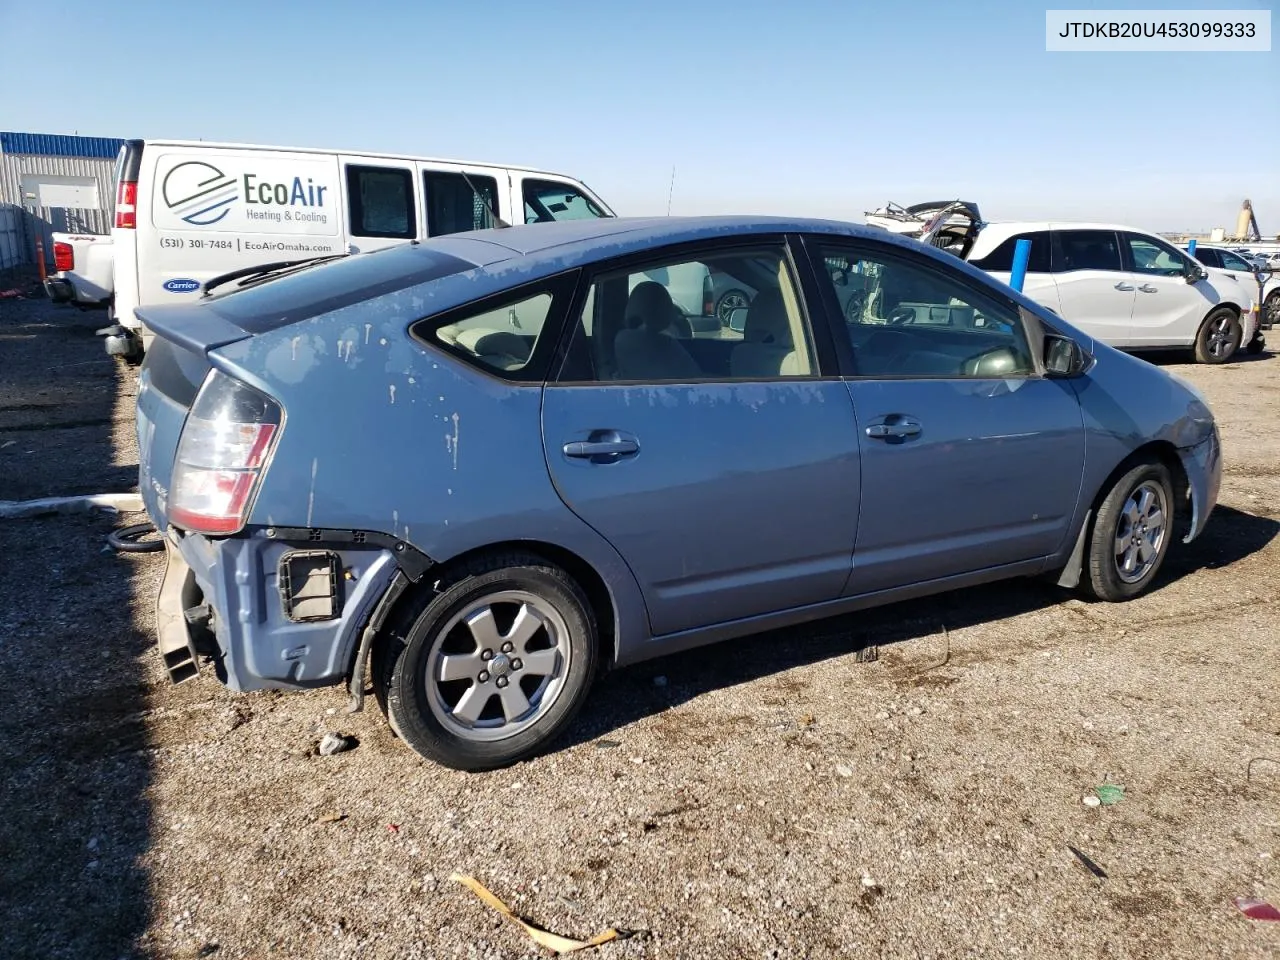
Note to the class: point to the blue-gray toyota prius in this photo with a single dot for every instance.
(470, 473)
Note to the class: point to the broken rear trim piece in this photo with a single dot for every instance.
(411, 561)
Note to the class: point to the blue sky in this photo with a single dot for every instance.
(805, 107)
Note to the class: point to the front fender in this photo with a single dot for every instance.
(1202, 464)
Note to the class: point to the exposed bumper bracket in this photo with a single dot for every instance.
(358, 669)
(172, 628)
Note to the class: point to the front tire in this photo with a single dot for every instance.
(489, 667)
(1131, 533)
(1219, 336)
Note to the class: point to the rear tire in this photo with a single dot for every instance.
(1219, 336)
(1131, 533)
(489, 667)
(1271, 308)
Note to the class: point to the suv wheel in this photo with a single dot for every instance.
(490, 666)
(1219, 336)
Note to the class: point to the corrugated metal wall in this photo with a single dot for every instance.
(46, 220)
(11, 245)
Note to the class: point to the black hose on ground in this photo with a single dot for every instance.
(126, 539)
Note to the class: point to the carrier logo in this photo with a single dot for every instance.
(181, 285)
(199, 193)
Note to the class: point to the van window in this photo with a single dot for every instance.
(546, 200)
(1087, 250)
(381, 202)
(453, 207)
(1001, 258)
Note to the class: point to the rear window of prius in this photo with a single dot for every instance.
(331, 286)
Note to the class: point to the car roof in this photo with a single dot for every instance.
(277, 148)
(1018, 226)
(612, 236)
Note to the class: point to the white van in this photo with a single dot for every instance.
(187, 212)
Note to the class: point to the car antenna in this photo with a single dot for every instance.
(498, 222)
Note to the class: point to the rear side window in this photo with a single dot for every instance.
(547, 200)
(1210, 258)
(1001, 258)
(1087, 250)
(381, 202)
(453, 206)
(1231, 262)
(511, 334)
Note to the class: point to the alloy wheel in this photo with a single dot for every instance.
(1140, 532)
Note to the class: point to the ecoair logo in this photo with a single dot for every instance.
(198, 192)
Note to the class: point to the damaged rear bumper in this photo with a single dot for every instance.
(267, 614)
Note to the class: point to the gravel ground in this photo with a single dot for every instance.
(788, 797)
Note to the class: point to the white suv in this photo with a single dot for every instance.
(1127, 287)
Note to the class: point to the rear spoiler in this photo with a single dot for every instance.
(192, 326)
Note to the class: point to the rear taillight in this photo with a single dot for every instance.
(127, 205)
(64, 257)
(708, 297)
(226, 442)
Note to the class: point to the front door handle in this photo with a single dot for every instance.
(1148, 288)
(897, 429)
(1124, 286)
(604, 445)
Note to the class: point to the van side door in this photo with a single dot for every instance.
(1095, 291)
(379, 202)
(459, 197)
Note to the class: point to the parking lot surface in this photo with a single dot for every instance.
(906, 782)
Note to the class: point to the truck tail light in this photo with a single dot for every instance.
(226, 442)
(64, 257)
(127, 205)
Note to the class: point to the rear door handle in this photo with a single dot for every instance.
(603, 444)
(898, 430)
(1148, 288)
(1124, 286)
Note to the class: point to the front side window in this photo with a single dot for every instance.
(380, 200)
(1087, 250)
(1148, 255)
(547, 200)
(909, 317)
(1210, 258)
(457, 203)
(658, 322)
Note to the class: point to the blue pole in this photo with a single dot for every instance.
(1021, 254)
(1191, 247)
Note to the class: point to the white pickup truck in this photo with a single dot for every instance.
(83, 265)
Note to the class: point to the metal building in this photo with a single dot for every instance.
(52, 182)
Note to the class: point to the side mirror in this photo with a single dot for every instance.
(738, 320)
(1063, 356)
(1194, 273)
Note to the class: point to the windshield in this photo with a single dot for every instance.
(548, 200)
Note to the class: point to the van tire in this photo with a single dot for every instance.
(1219, 336)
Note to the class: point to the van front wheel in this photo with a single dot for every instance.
(1219, 336)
